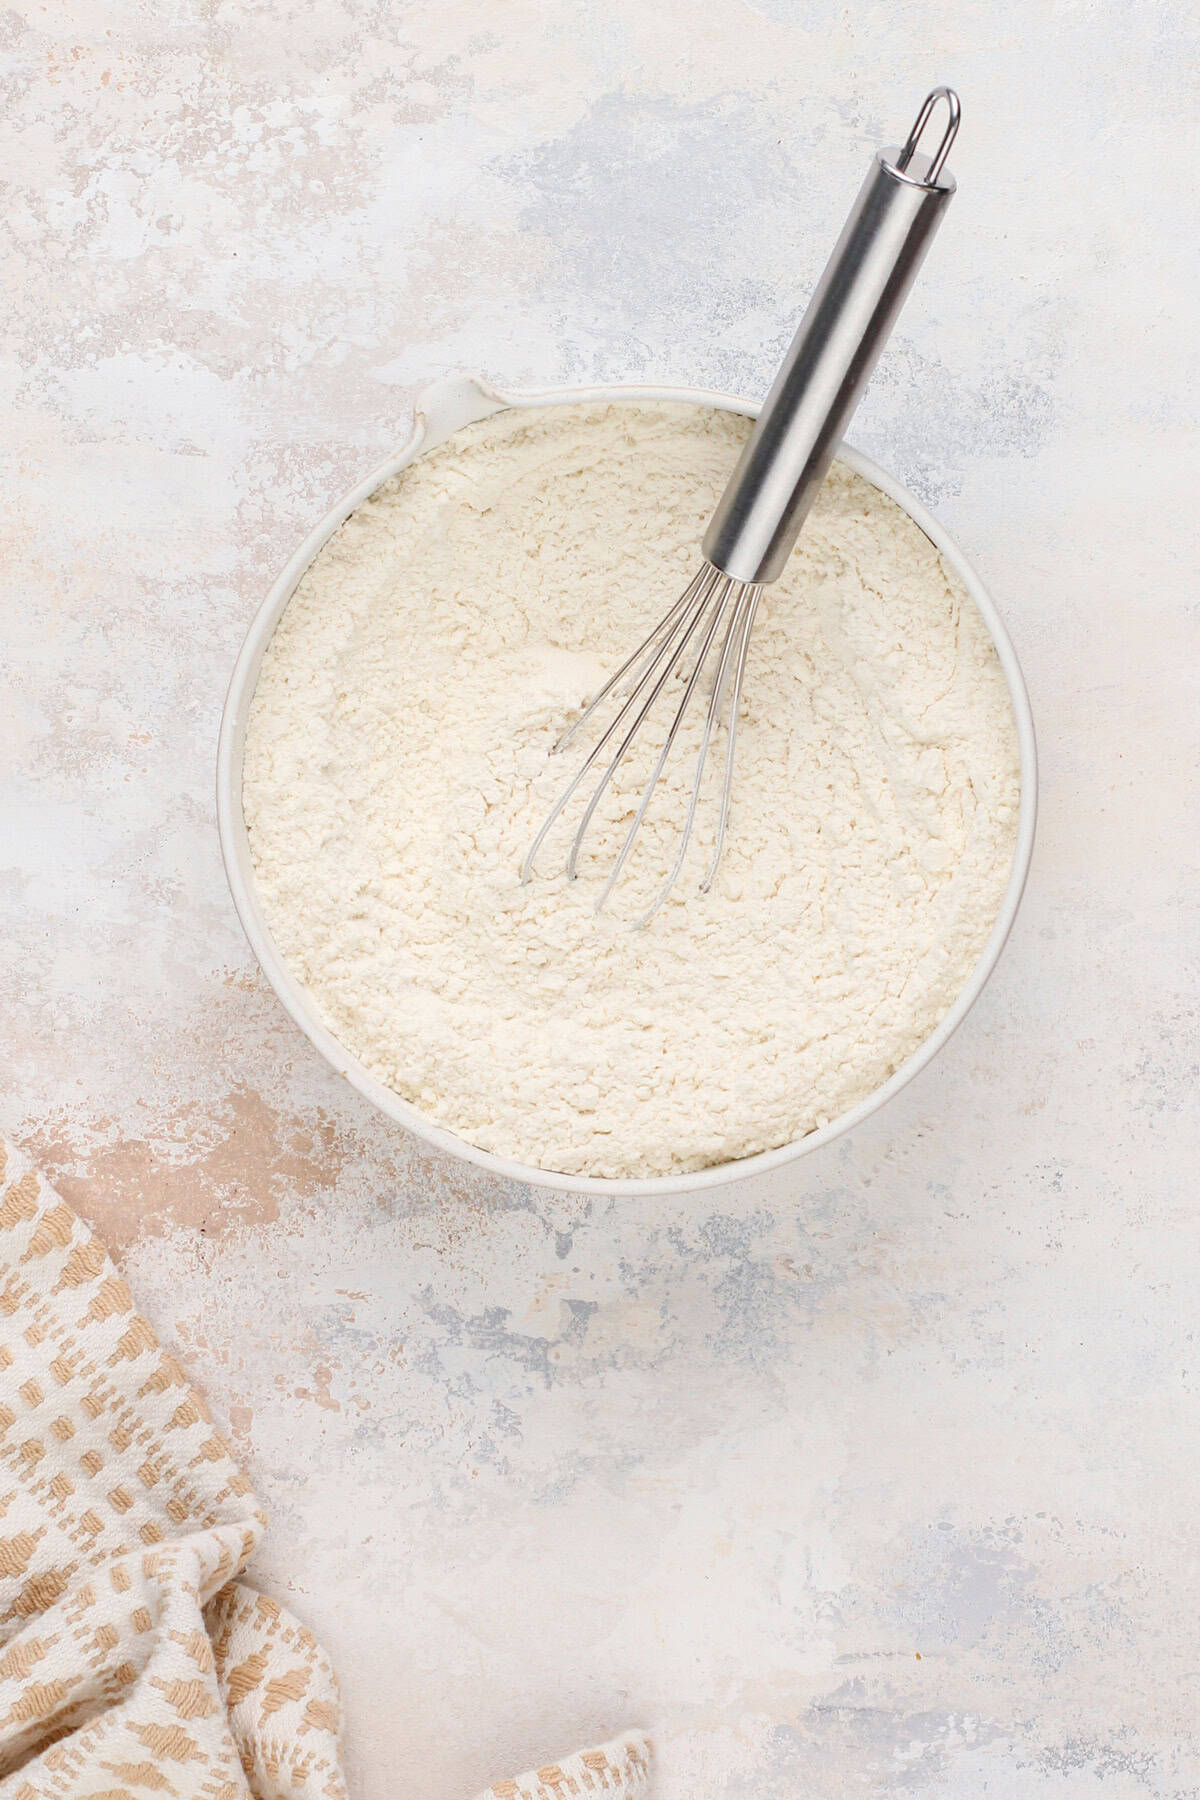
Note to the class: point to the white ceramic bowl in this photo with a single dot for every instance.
(442, 409)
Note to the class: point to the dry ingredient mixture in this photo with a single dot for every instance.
(397, 767)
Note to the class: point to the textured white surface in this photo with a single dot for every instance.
(398, 766)
(540, 1467)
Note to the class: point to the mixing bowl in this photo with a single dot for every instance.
(442, 409)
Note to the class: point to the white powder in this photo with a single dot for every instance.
(397, 766)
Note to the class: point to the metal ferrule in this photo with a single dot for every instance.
(848, 321)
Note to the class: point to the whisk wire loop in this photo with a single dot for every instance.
(684, 639)
(652, 651)
(664, 628)
(712, 580)
(737, 633)
(721, 588)
(753, 594)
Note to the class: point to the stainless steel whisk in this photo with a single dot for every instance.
(759, 516)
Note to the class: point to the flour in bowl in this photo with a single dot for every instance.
(397, 767)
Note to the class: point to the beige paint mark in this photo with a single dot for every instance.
(249, 1157)
(321, 1391)
(241, 1425)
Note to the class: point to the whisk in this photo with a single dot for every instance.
(759, 516)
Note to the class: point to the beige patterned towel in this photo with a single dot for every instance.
(134, 1665)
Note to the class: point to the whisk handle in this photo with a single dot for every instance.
(849, 319)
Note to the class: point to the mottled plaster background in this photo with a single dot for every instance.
(880, 1476)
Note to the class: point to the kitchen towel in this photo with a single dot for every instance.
(134, 1663)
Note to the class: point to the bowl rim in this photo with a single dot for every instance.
(439, 410)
